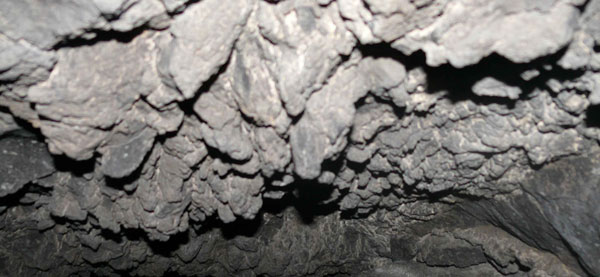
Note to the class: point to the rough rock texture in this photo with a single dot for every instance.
(295, 137)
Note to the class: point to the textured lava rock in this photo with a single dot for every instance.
(299, 137)
(23, 160)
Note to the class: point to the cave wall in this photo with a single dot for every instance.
(151, 137)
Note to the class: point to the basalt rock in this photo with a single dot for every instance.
(292, 138)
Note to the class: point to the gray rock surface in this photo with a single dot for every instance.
(555, 204)
(287, 138)
(23, 160)
(470, 30)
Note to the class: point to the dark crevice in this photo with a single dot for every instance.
(592, 117)
(25, 129)
(14, 199)
(305, 197)
(583, 6)
(384, 50)
(241, 227)
(165, 248)
(127, 183)
(75, 167)
(459, 81)
(308, 200)
(101, 36)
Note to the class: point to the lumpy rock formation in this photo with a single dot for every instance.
(299, 138)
